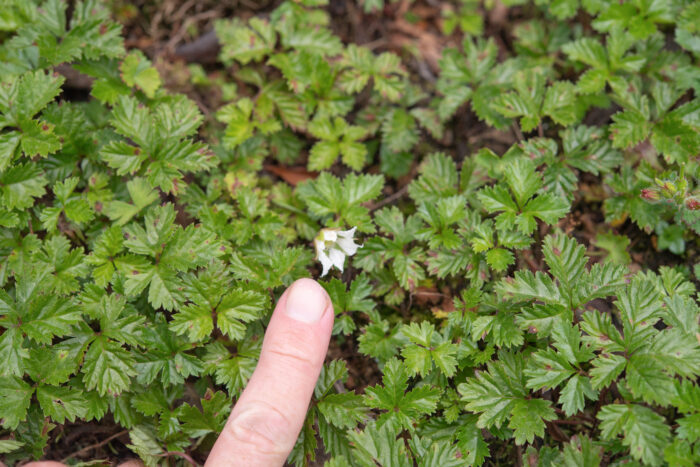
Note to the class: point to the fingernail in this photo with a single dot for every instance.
(306, 301)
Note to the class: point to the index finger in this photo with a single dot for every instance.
(267, 418)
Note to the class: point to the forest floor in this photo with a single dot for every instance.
(174, 33)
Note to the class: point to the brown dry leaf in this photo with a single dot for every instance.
(424, 295)
(291, 175)
(417, 34)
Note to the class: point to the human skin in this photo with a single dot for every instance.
(265, 421)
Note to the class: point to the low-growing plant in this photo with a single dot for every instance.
(144, 244)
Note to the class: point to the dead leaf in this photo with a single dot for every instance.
(291, 175)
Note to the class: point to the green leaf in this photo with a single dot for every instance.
(38, 139)
(9, 445)
(629, 128)
(522, 180)
(8, 144)
(606, 369)
(640, 302)
(400, 407)
(567, 263)
(29, 94)
(548, 369)
(528, 417)
(399, 132)
(438, 178)
(339, 139)
(500, 394)
(428, 347)
(644, 431)
(343, 410)
(312, 40)
(162, 149)
(615, 246)
(234, 371)
(12, 352)
(377, 445)
(385, 72)
(560, 103)
(349, 301)
(237, 308)
(215, 407)
(471, 442)
(499, 259)
(19, 185)
(327, 195)
(245, 44)
(574, 394)
(581, 451)
(141, 194)
(547, 207)
(587, 50)
(527, 286)
(61, 403)
(145, 444)
(647, 380)
(379, 340)
(15, 398)
(108, 367)
(136, 70)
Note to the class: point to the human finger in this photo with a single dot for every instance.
(130, 463)
(267, 418)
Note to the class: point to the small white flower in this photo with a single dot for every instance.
(333, 245)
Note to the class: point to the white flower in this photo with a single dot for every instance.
(333, 245)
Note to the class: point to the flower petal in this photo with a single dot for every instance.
(337, 257)
(326, 262)
(347, 233)
(320, 246)
(329, 235)
(348, 245)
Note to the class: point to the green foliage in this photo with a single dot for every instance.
(515, 200)
(528, 213)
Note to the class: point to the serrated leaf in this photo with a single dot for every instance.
(528, 417)
(20, 184)
(15, 398)
(342, 410)
(574, 394)
(401, 407)
(136, 70)
(644, 431)
(61, 403)
(108, 367)
(237, 308)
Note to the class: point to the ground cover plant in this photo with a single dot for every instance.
(522, 175)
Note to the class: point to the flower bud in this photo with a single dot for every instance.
(692, 203)
(650, 194)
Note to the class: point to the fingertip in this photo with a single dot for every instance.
(306, 301)
(44, 464)
(267, 418)
(132, 463)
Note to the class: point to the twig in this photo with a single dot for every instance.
(180, 13)
(375, 44)
(204, 49)
(425, 293)
(390, 199)
(94, 446)
(177, 37)
(518, 133)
